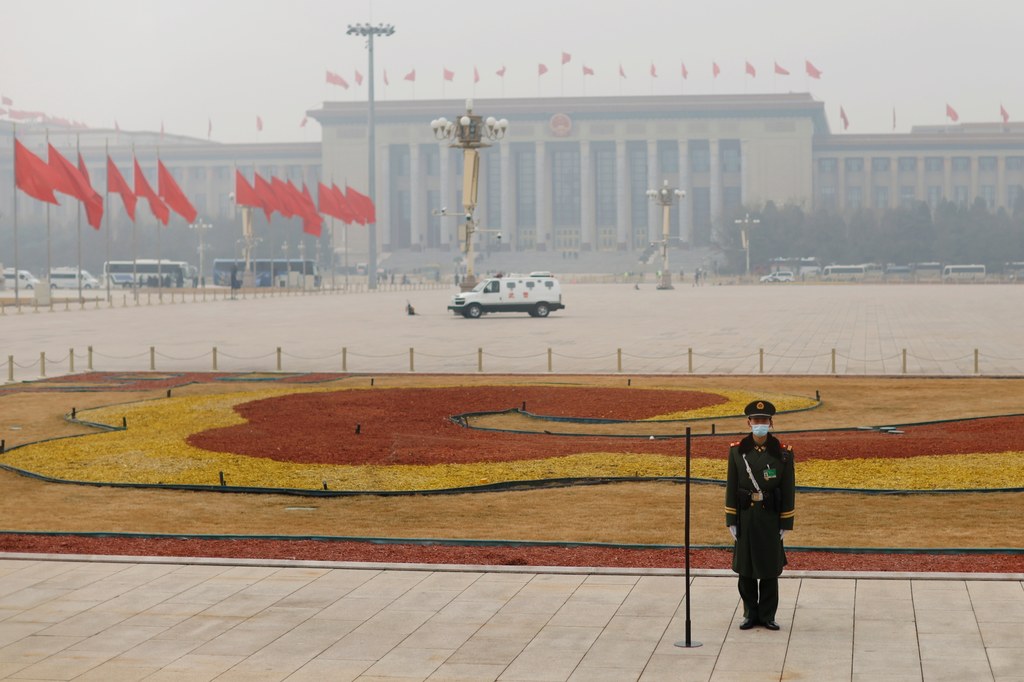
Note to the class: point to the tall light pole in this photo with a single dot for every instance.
(368, 32)
(201, 227)
(746, 222)
(665, 197)
(468, 133)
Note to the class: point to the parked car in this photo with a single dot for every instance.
(778, 276)
(26, 280)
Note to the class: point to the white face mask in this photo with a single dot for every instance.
(760, 430)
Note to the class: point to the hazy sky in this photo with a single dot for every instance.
(187, 62)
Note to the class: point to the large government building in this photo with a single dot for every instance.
(572, 174)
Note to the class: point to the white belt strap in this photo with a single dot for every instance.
(750, 473)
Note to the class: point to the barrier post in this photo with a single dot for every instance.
(689, 360)
(215, 358)
(904, 361)
(619, 362)
(976, 368)
(549, 359)
(152, 358)
(89, 362)
(479, 359)
(833, 361)
(42, 363)
(71, 360)
(760, 366)
(344, 359)
(412, 362)
(279, 358)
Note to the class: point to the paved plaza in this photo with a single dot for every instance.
(104, 619)
(861, 329)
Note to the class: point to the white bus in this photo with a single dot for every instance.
(148, 272)
(924, 272)
(844, 273)
(972, 272)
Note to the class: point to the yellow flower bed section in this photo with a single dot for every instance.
(736, 401)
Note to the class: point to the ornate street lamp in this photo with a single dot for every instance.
(665, 197)
(746, 222)
(200, 227)
(369, 32)
(469, 132)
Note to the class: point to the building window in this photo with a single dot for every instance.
(668, 156)
(960, 195)
(1015, 163)
(492, 169)
(637, 156)
(987, 163)
(907, 164)
(604, 180)
(431, 160)
(934, 164)
(399, 161)
(1014, 193)
(730, 152)
(526, 195)
(881, 196)
(988, 193)
(934, 196)
(854, 197)
(881, 163)
(433, 239)
(854, 164)
(907, 196)
(828, 198)
(700, 156)
(827, 165)
(565, 185)
(701, 216)
(961, 164)
(732, 198)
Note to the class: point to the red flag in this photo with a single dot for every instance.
(94, 206)
(326, 203)
(715, 70)
(364, 209)
(386, 77)
(265, 194)
(345, 211)
(812, 70)
(144, 191)
(1004, 113)
(654, 71)
(69, 179)
(282, 198)
(476, 75)
(894, 118)
(449, 75)
(781, 71)
(117, 184)
(566, 57)
(359, 78)
(541, 69)
(750, 70)
(335, 79)
(951, 113)
(32, 175)
(117, 127)
(209, 128)
(245, 195)
(501, 72)
(686, 74)
(172, 195)
(7, 101)
(259, 124)
(587, 71)
(842, 116)
(411, 76)
(302, 123)
(622, 73)
(312, 223)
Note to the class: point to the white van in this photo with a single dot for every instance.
(538, 294)
(67, 278)
(26, 280)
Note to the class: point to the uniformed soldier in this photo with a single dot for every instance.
(760, 496)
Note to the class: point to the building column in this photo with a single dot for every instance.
(447, 195)
(541, 231)
(895, 200)
(383, 204)
(417, 200)
(654, 181)
(622, 196)
(716, 187)
(685, 203)
(588, 209)
(508, 197)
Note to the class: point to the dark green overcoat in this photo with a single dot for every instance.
(758, 552)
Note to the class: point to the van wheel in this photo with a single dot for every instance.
(541, 310)
(473, 310)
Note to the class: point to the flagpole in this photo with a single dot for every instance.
(78, 227)
(159, 254)
(135, 252)
(14, 177)
(106, 210)
(46, 281)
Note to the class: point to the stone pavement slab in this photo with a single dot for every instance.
(67, 618)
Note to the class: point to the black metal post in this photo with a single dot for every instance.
(688, 642)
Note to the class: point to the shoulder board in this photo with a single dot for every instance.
(786, 447)
(732, 445)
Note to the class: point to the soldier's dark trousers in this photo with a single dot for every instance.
(760, 604)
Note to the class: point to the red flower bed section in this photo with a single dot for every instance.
(412, 425)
